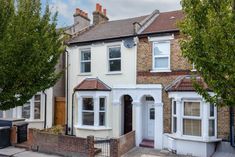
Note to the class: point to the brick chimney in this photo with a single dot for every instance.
(99, 15)
(81, 17)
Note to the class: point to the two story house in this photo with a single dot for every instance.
(129, 75)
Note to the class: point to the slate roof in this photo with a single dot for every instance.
(185, 83)
(92, 84)
(108, 30)
(166, 21)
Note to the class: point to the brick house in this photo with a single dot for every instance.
(129, 74)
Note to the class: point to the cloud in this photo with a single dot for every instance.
(116, 9)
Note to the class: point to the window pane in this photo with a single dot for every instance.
(212, 110)
(192, 108)
(149, 98)
(1, 114)
(174, 107)
(88, 104)
(9, 113)
(174, 124)
(26, 110)
(115, 52)
(102, 119)
(211, 127)
(85, 55)
(115, 65)
(162, 48)
(102, 104)
(85, 67)
(192, 127)
(37, 97)
(152, 114)
(37, 110)
(161, 62)
(88, 118)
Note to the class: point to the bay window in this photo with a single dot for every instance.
(88, 111)
(114, 59)
(32, 109)
(161, 55)
(93, 111)
(192, 118)
(174, 117)
(212, 120)
(85, 61)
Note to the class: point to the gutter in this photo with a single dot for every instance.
(45, 112)
(67, 90)
(72, 112)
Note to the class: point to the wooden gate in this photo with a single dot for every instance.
(59, 118)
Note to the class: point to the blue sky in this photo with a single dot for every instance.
(116, 9)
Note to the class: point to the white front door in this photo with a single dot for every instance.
(150, 121)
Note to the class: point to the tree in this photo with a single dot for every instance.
(209, 42)
(30, 46)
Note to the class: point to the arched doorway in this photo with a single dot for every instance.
(127, 114)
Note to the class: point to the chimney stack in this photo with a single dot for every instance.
(99, 15)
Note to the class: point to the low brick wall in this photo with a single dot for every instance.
(122, 145)
(61, 144)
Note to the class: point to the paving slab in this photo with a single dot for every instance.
(33, 154)
(11, 151)
(148, 152)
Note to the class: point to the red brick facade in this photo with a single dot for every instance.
(179, 66)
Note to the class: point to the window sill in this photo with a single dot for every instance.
(160, 70)
(114, 73)
(85, 74)
(34, 120)
(192, 138)
(94, 128)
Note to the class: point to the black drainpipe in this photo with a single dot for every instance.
(72, 111)
(45, 112)
(67, 90)
(232, 133)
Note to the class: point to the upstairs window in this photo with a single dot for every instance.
(86, 61)
(114, 59)
(161, 55)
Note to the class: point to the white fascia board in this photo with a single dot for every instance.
(161, 38)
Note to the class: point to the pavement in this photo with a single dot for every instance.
(149, 152)
(20, 152)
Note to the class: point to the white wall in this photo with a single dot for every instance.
(99, 68)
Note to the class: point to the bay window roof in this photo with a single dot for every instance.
(185, 83)
(92, 84)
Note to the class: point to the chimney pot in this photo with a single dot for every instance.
(105, 12)
(77, 11)
(100, 9)
(97, 7)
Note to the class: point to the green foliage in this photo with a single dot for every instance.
(209, 43)
(30, 47)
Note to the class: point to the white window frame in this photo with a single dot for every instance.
(191, 117)
(96, 112)
(108, 58)
(212, 118)
(103, 111)
(89, 111)
(84, 61)
(174, 116)
(167, 69)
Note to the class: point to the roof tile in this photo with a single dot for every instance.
(92, 84)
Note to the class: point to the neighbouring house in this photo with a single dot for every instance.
(46, 109)
(129, 75)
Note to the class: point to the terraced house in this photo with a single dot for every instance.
(129, 75)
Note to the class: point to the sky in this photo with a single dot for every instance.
(116, 9)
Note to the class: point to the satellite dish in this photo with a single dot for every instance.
(129, 43)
